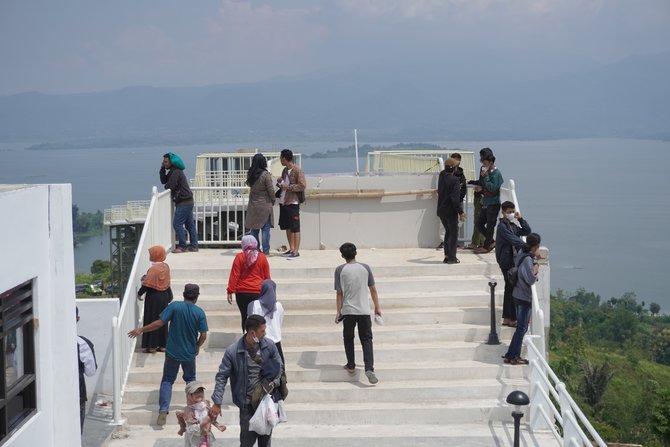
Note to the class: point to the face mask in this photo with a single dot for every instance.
(199, 405)
(510, 216)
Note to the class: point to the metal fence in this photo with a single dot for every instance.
(157, 231)
(220, 214)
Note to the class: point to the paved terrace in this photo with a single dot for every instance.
(439, 383)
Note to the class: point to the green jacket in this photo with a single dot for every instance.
(491, 184)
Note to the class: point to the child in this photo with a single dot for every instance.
(194, 419)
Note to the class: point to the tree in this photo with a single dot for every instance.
(654, 308)
(595, 380)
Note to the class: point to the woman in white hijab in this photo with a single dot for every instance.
(267, 306)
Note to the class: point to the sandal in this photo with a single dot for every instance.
(519, 361)
(507, 361)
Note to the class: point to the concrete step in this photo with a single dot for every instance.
(303, 318)
(363, 413)
(396, 284)
(355, 391)
(418, 371)
(325, 300)
(387, 334)
(419, 435)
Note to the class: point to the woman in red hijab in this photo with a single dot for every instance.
(250, 268)
(156, 284)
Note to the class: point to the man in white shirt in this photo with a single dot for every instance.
(352, 281)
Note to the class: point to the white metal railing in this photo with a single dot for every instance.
(157, 231)
(220, 214)
(545, 388)
(133, 211)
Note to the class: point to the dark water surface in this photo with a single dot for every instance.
(601, 205)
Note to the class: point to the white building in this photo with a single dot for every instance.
(39, 391)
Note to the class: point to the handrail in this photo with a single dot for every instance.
(157, 230)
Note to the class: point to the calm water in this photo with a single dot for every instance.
(600, 205)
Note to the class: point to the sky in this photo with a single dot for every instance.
(74, 46)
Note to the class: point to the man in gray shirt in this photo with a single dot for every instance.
(353, 308)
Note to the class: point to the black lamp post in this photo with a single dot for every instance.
(517, 398)
(493, 335)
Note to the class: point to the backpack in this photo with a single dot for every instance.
(513, 273)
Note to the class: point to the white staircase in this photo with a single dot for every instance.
(439, 383)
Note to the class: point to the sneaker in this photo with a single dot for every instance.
(350, 371)
(287, 254)
(371, 377)
(454, 261)
(178, 250)
(162, 418)
(192, 248)
(293, 256)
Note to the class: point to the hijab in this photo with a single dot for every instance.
(250, 250)
(267, 298)
(158, 275)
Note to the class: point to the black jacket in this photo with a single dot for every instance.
(508, 241)
(460, 175)
(448, 195)
(176, 181)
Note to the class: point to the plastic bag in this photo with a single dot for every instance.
(265, 418)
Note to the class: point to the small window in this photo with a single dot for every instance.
(18, 400)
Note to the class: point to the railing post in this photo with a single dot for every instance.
(116, 350)
(536, 383)
(570, 432)
(493, 334)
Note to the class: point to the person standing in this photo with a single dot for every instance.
(523, 296)
(449, 208)
(88, 365)
(508, 242)
(156, 285)
(261, 200)
(352, 281)
(292, 182)
(172, 176)
(188, 332)
(272, 310)
(244, 363)
(490, 182)
(477, 240)
(249, 269)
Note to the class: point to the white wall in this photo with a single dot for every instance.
(383, 222)
(95, 323)
(37, 243)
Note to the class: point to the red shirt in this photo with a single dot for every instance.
(249, 280)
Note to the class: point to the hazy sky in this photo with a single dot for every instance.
(82, 45)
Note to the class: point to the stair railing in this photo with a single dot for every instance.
(157, 231)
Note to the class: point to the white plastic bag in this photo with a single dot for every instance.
(281, 411)
(265, 418)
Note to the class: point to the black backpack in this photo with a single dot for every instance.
(513, 273)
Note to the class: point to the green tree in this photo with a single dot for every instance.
(654, 308)
(595, 380)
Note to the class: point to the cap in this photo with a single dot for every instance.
(194, 386)
(191, 291)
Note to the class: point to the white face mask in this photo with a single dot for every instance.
(199, 405)
(510, 216)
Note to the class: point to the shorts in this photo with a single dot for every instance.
(289, 218)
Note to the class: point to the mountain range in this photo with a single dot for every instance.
(629, 98)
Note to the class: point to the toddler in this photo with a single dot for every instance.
(194, 421)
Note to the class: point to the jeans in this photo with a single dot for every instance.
(522, 316)
(170, 370)
(183, 216)
(509, 308)
(450, 224)
(266, 237)
(364, 335)
(486, 224)
(248, 438)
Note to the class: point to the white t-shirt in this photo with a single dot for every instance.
(354, 281)
(272, 325)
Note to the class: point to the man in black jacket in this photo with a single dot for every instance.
(449, 208)
(174, 179)
(508, 242)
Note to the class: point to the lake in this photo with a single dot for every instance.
(599, 204)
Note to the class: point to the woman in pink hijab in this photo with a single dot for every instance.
(250, 268)
(156, 284)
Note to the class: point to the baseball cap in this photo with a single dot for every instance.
(194, 386)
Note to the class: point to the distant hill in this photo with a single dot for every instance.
(629, 98)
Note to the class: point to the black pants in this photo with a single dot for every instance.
(248, 438)
(364, 335)
(509, 308)
(82, 414)
(243, 300)
(486, 223)
(450, 224)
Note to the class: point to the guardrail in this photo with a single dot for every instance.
(157, 231)
(220, 214)
(545, 388)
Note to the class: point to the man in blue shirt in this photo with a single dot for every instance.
(187, 333)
